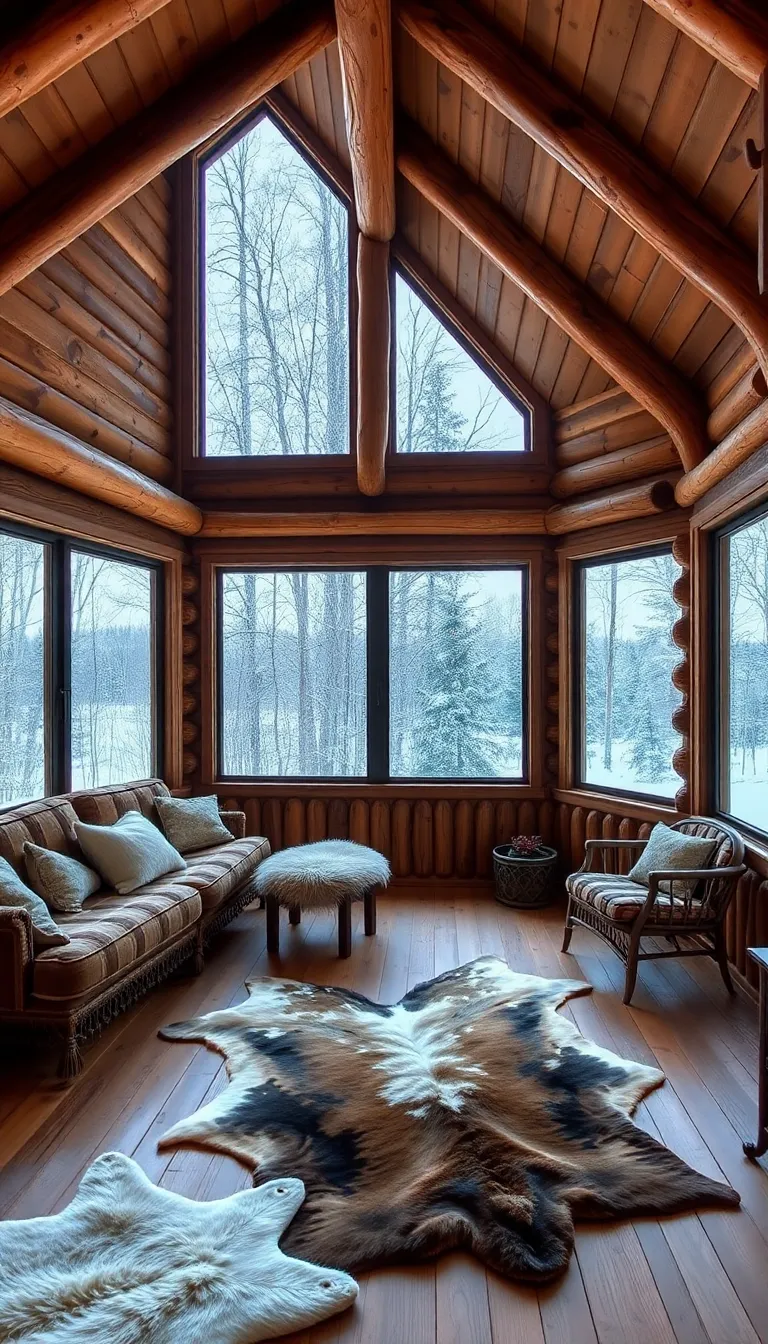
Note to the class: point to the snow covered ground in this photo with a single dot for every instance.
(622, 774)
(749, 788)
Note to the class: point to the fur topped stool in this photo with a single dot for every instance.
(330, 874)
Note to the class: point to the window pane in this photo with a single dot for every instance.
(456, 674)
(746, 764)
(293, 674)
(628, 614)
(22, 669)
(277, 319)
(112, 674)
(445, 402)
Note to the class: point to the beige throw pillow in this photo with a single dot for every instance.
(130, 853)
(14, 892)
(192, 823)
(62, 882)
(668, 849)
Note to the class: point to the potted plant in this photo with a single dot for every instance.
(523, 871)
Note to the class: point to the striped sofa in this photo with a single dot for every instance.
(119, 945)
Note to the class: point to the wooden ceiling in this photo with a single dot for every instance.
(685, 113)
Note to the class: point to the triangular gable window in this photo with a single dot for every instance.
(446, 401)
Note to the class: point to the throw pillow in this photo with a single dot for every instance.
(45, 930)
(130, 853)
(667, 849)
(62, 882)
(192, 823)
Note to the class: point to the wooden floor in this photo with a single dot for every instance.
(690, 1279)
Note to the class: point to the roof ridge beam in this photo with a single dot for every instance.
(57, 41)
(118, 166)
(573, 307)
(732, 33)
(652, 204)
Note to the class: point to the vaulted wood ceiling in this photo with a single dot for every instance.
(686, 113)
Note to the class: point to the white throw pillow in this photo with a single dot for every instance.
(130, 853)
(668, 849)
(14, 892)
(192, 823)
(62, 882)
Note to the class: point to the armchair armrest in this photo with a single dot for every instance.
(593, 845)
(16, 956)
(235, 821)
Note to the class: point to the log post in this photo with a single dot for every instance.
(640, 500)
(35, 446)
(607, 469)
(571, 305)
(628, 184)
(117, 167)
(373, 341)
(365, 51)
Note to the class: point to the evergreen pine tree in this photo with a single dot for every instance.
(650, 749)
(442, 425)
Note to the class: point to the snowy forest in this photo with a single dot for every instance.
(293, 674)
(111, 673)
(277, 323)
(746, 782)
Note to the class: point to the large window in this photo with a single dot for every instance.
(743, 697)
(627, 698)
(79, 654)
(274, 266)
(446, 402)
(372, 674)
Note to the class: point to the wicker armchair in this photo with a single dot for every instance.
(622, 913)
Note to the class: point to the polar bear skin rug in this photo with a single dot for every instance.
(129, 1263)
(471, 1114)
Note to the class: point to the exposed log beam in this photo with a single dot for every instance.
(31, 443)
(609, 469)
(373, 331)
(734, 33)
(646, 200)
(365, 49)
(735, 448)
(58, 40)
(573, 307)
(612, 506)
(390, 523)
(63, 208)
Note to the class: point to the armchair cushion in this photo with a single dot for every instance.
(621, 900)
(668, 849)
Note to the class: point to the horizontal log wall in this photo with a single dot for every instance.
(84, 340)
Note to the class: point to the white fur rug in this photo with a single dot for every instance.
(129, 1263)
(321, 875)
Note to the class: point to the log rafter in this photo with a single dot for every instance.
(61, 39)
(67, 205)
(629, 185)
(571, 306)
(730, 31)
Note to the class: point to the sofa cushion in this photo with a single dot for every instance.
(130, 853)
(103, 807)
(49, 822)
(111, 936)
(219, 871)
(621, 900)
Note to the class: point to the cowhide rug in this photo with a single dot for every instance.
(470, 1114)
(129, 1263)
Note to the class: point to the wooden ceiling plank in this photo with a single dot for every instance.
(706, 134)
(58, 41)
(321, 91)
(55, 127)
(733, 33)
(701, 340)
(25, 150)
(85, 104)
(632, 276)
(595, 381)
(684, 81)
(335, 83)
(629, 185)
(517, 172)
(550, 360)
(732, 179)
(574, 40)
(542, 26)
(365, 48)
(210, 25)
(177, 39)
(584, 317)
(610, 255)
(146, 64)
(611, 47)
(569, 378)
(112, 78)
(530, 337)
(115, 169)
(562, 214)
(643, 76)
(681, 317)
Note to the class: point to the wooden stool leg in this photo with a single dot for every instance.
(273, 926)
(345, 928)
(369, 911)
(294, 914)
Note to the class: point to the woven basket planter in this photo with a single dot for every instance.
(525, 883)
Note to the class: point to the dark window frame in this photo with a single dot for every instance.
(57, 691)
(579, 668)
(377, 679)
(720, 667)
(211, 153)
(475, 455)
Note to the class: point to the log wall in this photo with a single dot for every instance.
(84, 340)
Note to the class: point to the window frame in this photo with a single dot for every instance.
(57, 690)
(202, 159)
(377, 679)
(578, 670)
(720, 665)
